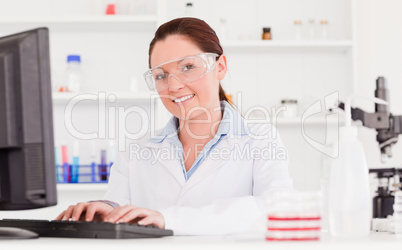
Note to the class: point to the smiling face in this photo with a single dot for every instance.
(195, 98)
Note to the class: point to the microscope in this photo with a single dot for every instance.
(388, 128)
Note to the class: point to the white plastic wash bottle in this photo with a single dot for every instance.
(349, 190)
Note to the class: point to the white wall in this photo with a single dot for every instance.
(265, 77)
(110, 57)
(262, 78)
(380, 54)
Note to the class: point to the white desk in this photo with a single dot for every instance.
(378, 241)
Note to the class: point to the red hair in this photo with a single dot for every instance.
(198, 31)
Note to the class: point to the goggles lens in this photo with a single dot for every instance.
(185, 70)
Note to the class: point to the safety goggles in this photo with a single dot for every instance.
(185, 70)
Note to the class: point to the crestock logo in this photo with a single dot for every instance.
(271, 151)
(330, 147)
(114, 114)
(122, 113)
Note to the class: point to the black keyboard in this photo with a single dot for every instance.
(82, 229)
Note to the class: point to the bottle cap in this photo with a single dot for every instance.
(189, 4)
(266, 29)
(289, 101)
(111, 9)
(297, 22)
(73, 58)
(324, 21)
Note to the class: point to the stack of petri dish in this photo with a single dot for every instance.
(294, 216)
(398, 213)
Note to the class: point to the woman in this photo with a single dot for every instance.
(209, 169)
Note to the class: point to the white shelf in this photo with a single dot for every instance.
(74, 23)
(82, 187)
(269, 45)
(82, 19)
(64, 98)
(316, 120)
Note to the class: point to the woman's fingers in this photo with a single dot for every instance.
(74, 212)
(142, 215)
(97, 208)
(60, 216)
(134, 214)
(149, 220)
(78, 209)
(154, 218)
(87, 211)
(68, 213)
(91, 210)
(124, 214)
(117, 213)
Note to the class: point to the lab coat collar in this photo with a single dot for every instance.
(210, 163)
(232, 128)
(232, 124)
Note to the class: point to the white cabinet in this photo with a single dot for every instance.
(114, 49)
(114, 53)
(307, 70)
(262, 73)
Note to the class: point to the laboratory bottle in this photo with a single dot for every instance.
(141, 8)
(290, 106)
(298, 29)
(324, 29)
(311, 29)
(189, 10)
(222, 28)
(266, 33)
(73, 73)
(349, 190)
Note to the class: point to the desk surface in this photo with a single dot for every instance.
(379, 241)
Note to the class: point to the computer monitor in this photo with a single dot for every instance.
(27, 165)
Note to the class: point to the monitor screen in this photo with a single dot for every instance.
(27, 165)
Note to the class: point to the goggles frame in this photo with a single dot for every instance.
(204, 57)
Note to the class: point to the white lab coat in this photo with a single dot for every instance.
(225, 195)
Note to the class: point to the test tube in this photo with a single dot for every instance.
(103, 166)
(66, 166)
(93, 161)
(76, 162)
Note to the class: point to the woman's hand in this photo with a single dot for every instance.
(142, 216)
(86, 211)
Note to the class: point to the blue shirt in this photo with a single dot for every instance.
(232, 123)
